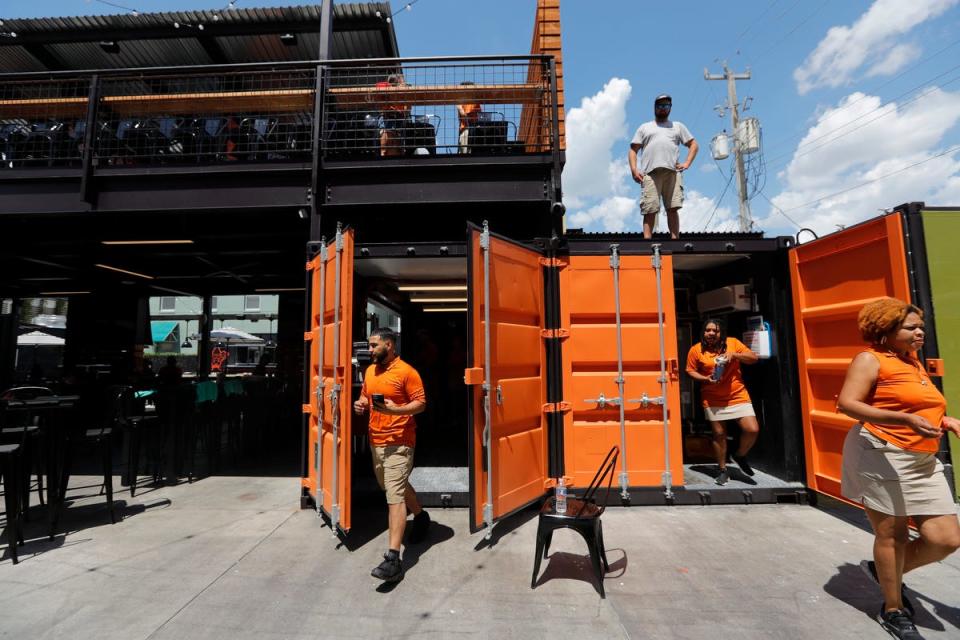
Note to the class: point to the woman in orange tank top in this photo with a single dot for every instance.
(715, 362)
(889, 456)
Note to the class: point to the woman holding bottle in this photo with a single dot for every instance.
(715, 362)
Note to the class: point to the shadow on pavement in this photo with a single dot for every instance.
(852, 586)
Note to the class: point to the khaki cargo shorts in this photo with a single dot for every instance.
(661, 184)
(392, 466)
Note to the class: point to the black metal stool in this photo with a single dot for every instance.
(10, 469)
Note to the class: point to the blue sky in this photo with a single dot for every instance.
(848, 93)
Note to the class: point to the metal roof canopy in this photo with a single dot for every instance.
(228, 36)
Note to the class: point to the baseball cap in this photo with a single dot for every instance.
(663, 97)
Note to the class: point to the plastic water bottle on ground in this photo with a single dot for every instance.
(561, 496)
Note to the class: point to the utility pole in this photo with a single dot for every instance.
(746, 222)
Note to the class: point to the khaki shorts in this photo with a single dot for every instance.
(392, 466)
(661, 184)
(891, 480)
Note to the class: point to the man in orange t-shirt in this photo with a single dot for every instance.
(393, 392)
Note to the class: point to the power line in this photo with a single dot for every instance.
(864, 115)
(873, 90)
(781, 211)
(780, 40)
(869, 182)
(719, 200)
(861, 126)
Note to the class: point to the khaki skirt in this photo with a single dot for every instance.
(891, 480)
(733, 412)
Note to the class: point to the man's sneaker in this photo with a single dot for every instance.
(743, 464)
(723, 478)
(898, 624)
(418, 530)
(869, 567)
(390, 570)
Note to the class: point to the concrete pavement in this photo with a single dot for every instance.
(234, 557)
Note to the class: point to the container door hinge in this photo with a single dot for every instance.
(558, 334)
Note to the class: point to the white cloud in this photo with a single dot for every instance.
(615, 213)
(871, 38)
(824, 164)
(701, 213)
(593, 128)
(896, 59)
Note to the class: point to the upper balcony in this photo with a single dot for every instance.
(362, 132)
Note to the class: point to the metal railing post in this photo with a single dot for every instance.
(86, 175)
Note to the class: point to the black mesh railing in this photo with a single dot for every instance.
(42, 122)
(436, 108)
(260, 113)
(228, 117)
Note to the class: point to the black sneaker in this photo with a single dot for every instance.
(869, 567)
(723, 478)
(390, 570)
(418, 530)
(898, 624)
(743, 464)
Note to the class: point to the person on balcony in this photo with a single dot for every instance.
(395, 116)
(659, 170)
(469, 115)
(393, 393)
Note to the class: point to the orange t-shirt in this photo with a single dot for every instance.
(400, 382)
(469, 116)
(903, 385)
(730, 390)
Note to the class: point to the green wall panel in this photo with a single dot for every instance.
(942, 232)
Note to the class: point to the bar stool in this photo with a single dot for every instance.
(10, 469)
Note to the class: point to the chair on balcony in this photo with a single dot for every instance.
(583, 516)
(419, 135)
(488, 135)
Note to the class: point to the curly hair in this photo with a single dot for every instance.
(880, 318)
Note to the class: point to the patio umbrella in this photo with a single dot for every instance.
(229, 334)
(39, 338)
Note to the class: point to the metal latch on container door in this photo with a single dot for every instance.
(602, 401)
(645, 400)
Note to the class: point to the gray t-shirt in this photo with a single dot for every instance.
(660, 144)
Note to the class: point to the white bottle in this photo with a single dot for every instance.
(561, 496)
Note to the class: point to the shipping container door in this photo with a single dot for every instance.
(832, 278)
(508, 444)
(588, 310)
(331, 300)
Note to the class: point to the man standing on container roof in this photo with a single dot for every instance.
(393, 391)
(660, 166)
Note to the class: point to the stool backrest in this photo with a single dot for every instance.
(604, 474)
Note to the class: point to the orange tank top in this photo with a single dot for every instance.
(903, 385)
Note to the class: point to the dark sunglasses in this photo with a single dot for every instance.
(663, 105)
